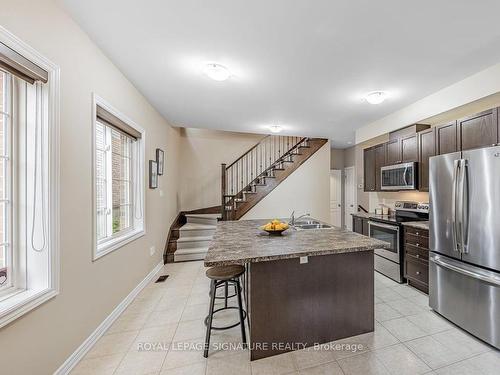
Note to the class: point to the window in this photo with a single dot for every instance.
(29, 190)
(5, 199)
(119, 179)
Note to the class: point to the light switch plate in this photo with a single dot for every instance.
(152, 250)
(161, 193)
(304, 260)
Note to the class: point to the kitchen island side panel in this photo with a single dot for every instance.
(329, 298)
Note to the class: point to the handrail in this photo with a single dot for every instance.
(360, 207)
(246, 153)
(251, 168)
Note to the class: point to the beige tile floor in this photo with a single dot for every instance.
(409, 338)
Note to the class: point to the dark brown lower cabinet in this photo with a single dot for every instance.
(416, 246)
(360, 225)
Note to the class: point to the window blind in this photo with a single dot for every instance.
(110, 119)
(21, 67)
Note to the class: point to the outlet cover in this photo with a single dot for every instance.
(152, 250)
(304, 260)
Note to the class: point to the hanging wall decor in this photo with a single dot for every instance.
(153, 174)
(160, 159)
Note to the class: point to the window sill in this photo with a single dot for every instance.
(118, 242)
(22, 302)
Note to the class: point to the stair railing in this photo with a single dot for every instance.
(252, 165)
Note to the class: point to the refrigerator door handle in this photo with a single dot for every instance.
(464, 269)
(456, 166)
(464, 205)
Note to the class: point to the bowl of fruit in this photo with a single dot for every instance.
(275, 227)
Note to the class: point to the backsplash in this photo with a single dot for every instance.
(390, 198)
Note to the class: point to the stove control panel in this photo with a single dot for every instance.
(412, 206)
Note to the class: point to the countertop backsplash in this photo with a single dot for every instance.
(390, 198)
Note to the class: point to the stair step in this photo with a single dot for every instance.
(196, 230)
(182, 255)
(209, 219)
(193, 242)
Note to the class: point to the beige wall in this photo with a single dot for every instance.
(337, 158)
(202, 153)
(307, 190)
(39, 342)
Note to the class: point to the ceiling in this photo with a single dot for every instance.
(302, 64)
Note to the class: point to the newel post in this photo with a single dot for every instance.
(223, 192)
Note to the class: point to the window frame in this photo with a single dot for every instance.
(7, 199)
(24, 296)
(138, 229)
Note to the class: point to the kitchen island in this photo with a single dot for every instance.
(302, 288)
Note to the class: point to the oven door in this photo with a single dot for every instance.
(399, 177)
(387, 233)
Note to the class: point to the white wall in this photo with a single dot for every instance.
(202, 153)
(307, 190)
(39, 342)
(473, 88)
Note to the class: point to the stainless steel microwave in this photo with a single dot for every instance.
(399, 177)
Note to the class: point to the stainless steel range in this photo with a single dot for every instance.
(389, 262)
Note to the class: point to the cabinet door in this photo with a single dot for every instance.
(365, 227)
(479, 130)
(393, 151)
(426, 149)
(357, 224)
(379, 163)
(369, 169)
(447, 138)
(409, 149)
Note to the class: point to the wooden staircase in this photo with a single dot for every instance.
(258, 171)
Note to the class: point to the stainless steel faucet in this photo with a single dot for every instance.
(293, 218)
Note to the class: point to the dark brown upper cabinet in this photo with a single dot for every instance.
(447, 138)
(426, 149)
(369, 169)
(402, 144)
(479, 130)
(409, 149)
(380, 161)
(393, 151)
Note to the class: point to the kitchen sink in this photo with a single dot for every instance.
(315, 225)
(307, 221)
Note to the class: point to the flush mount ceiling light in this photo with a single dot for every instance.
(275, 128)
(217, 72)
(376, 97)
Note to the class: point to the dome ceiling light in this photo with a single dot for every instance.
(376, 97)
(217, 72)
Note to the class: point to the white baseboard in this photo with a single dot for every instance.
(79, 353)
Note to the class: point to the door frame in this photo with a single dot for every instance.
(354, 194)
(341, 201)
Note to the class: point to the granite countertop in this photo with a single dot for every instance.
(240, 242)
(417, 224)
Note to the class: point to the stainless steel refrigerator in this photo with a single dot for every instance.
(464, 263)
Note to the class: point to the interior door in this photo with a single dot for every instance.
(441, 192)
(336, 197)
(350, 196)
(481, 207)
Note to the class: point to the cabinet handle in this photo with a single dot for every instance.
(417, 233)
(417, 245)
(417, 256)
(417, 273)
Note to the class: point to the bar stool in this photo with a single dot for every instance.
(223, 276)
